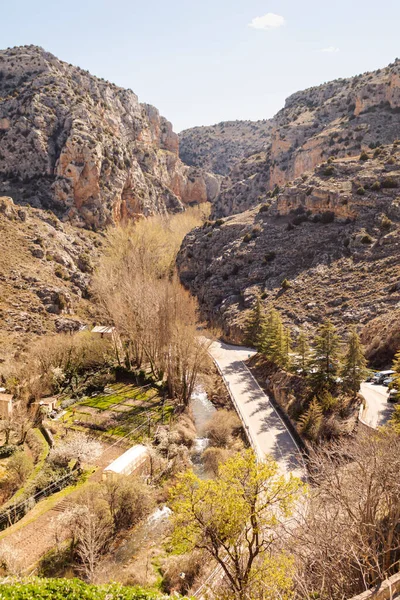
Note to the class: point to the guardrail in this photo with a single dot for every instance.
(386, 590)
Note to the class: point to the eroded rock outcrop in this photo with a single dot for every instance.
(337, 119)
(85, 148)
(328, 245)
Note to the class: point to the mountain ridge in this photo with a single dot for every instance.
(336, 119)
(86, 148)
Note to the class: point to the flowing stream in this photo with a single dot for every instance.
(151, 531)
(202, 411)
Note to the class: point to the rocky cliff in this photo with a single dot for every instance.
(337, 119)
(85, 148)
(45, 271)
(218, 148)
(326, 246)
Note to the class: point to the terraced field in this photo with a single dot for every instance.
(123, 408)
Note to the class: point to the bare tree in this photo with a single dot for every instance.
(349, 540)
(93, 537)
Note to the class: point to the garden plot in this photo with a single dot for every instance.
(121, 409)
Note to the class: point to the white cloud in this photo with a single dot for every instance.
(267, 22)
(330, 49)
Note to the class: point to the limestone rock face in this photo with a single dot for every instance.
(334, 235)
(337, 119)
(85, 148)
(217, 148)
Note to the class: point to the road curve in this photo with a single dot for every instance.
(378, 410)
(266, 429)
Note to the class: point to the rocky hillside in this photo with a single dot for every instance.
(218, 148)
(328, 245)
(45, 268)
(85, 148)
(337, 119)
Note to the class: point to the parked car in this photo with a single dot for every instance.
(388, 380)
(393, 396)
(380, 377)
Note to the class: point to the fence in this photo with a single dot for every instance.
(15, 512)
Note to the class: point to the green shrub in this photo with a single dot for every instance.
(366, 239)
(247, 238)
(361, 191)
(327, 217)
(71, 589)
(62, 273)
(328, 171)
(218, 223)
(385, 223)
(85, 263)
(376, 186)
(6, 451)
(286, 284)
(389, 182)
(269, 256)
(364, 156)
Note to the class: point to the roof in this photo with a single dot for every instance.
(127, 458)
(103, 329)
(5, 397)
(50, 400)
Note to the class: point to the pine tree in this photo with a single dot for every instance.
(275, 340)
(310, 422)
(326, 361)
(287, 348)
(354, 364)
(254, 324)
(396, 369)
(303, 353)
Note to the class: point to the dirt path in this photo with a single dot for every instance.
(33, 535)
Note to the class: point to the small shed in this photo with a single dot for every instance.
(104, 331)
(6, 405)
(134, 460)
(47, 404)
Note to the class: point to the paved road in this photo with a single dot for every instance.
(266, 428)
(378, 410)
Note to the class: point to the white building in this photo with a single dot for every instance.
(133, 460)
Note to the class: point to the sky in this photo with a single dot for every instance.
(208, 61)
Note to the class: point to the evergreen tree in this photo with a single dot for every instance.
(326, 361)
(354, 364)
(254, 324)
(396, 369)
(275, 340)
(310, 422)
(287, 348)
(303, 353)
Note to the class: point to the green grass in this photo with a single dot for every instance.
(38, 467)
(135, 405)
(46, 504)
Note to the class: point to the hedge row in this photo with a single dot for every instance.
(70, 589)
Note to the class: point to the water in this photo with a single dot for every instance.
(159, 515)
(202, 411)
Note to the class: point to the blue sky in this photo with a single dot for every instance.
(203, 62)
